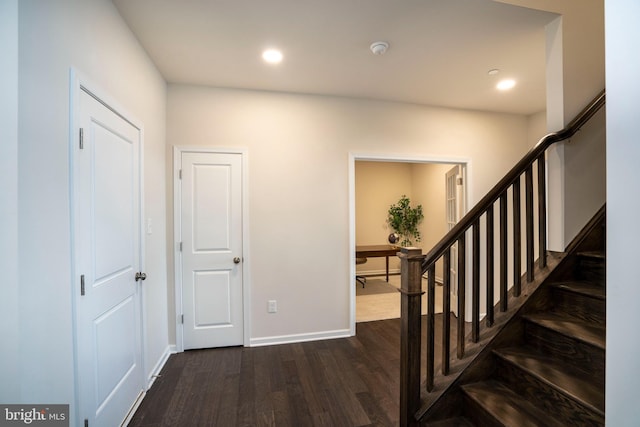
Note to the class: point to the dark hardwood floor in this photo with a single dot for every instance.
(341, 382)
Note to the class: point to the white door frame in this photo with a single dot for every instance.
(246, 280)
(459, 211)
(353, 157)
(78, 83)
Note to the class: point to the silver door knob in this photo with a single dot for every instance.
(140, 276)
(236, 260)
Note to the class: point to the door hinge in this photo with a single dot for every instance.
(182, 319)
(82, 285)
(180, 246)
(459, 180)
(180, 174)
(86, 422)
(81, 138)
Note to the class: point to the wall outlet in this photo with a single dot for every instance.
(272, 306)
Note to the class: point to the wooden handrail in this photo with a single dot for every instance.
(476, 212)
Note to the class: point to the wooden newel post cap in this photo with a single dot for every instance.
(411, 271)
(410, 252)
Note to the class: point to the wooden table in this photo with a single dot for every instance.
(373, 251)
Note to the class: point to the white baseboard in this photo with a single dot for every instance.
(150, 379)
(368, 273)
(133, 409)
(159, 365)
(439, 279)
(378, 272)
(295, 338)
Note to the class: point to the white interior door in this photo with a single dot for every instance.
(107, 200)
(211, 254)
(454, 182)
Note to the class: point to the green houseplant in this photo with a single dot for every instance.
(404, 220)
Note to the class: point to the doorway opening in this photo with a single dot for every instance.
(376, 183)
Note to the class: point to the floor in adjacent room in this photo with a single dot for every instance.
(379, 300)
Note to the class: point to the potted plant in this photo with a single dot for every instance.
(404, 220)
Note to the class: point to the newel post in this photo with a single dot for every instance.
(411, 311)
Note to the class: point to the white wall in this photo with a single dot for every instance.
(90, 36)
(585, 175)
(581, 174)
(298, 154)
(623, 228)
(298, 148)
(577, 72)
(9, 326)
(575, 75)
(536, 127)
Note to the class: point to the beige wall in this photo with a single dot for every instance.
(299, 148)
(429, 190)
(378, 185)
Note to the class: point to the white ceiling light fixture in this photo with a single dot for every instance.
(506, 84)
(272, 56)
(379, 48)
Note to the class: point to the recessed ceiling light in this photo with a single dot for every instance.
(505, 84)
(272, 56)
(493, 72)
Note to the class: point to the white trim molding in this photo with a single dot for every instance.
(155, 372)
(381, 157)
(297, 338)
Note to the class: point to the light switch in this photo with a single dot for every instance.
(272, 306)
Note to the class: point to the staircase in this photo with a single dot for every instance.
(529, 348)
(552, 372)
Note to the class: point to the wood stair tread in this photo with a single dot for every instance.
(572, 327)
(451, 422)
(546, 364)
(557, 374)
(583, 288)
(506, 406)
(593, 254)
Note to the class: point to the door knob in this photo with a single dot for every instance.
(236, 260)
(140, 276)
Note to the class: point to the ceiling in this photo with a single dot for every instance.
(440, 50)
